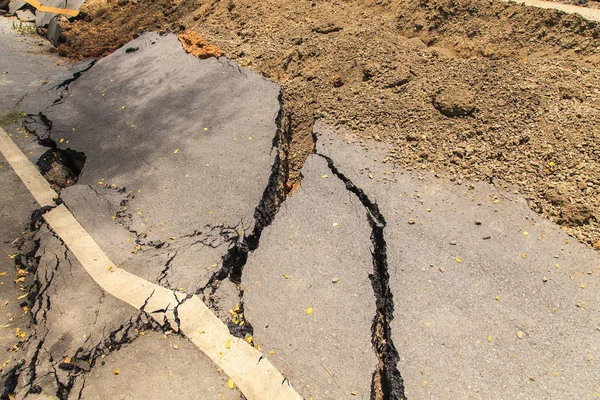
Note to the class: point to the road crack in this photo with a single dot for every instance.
(387, 382)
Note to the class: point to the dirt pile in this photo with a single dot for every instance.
(469, 89)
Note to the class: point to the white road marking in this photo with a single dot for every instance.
(29, 174)
(254, 375)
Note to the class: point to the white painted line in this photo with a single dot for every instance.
(590, 14)
(254, 375)
(29, 174)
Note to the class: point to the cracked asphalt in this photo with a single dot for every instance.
(365, 282)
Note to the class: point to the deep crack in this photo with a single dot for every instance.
(387, 382)
(273, 196)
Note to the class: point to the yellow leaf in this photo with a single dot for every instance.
(525, 233)
(458, 260)
(285, 276)
(272, 352)
(230, 383)
(490, 338)
(116, 371)
(2, 273)
(353, 393)
(324, 176)
(22, 296)
(228, 344)
(249, 339)
(176, 151)
(524, 255)
(335, 224)
(309, 310)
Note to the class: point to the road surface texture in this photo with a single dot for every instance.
(366, 281)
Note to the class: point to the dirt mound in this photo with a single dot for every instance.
(495, 29)
(469, 89)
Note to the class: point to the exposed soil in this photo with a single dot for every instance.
(469, 89)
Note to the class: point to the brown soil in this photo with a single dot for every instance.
(470, 89)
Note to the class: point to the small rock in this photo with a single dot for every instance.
(520, 334)
(442, 269)
(337, 81)
(477, 222)
(576, 215)
(411, 221)
(335, 280)
(453, 243)
(454, 102)
(544, 279)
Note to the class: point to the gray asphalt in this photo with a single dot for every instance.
(476, 271)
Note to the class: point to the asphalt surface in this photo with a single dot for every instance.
(491, 301)
(368, 276)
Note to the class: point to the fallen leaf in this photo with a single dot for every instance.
(335, 280)
(176, 151)
(490, 338)
(525, 233)
(335, 224)
(324, 176)
(116, 371)
(309, 310)
(458, 260)
(230, 383)
(272, 352)
(228, 344)
(285, 276)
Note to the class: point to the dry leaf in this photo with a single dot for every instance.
(309, 310)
